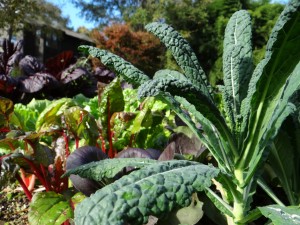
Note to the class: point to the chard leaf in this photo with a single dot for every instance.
(183, 54)
(120, 66)
(49, 208)
(108, 168)
(281, 215)
(269, 81)
(143, 117)
(237, 64)
(81, 124)
(43, 155)
(111, 101)
(152, 190)
(50, 116)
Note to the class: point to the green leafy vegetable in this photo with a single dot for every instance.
(107, 168)
(49, 208)
(281, 215)
(239, 137)
(152, 190)
(121, 67)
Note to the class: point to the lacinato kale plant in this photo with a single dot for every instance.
(256, 100)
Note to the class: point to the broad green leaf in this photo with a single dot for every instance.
(283, 108)
(111, 101)
(153, 190)
(189, 215)
(237, 64)
(120, 66)
(270, 79)
(183, 54)
(144, 116)
(50, 118)
(282, 215)
(38, 105)
(88, 104)
(81, 124)
(24, 117)
(108, 168)
(49, 208)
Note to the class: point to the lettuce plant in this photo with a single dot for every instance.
(256, 102)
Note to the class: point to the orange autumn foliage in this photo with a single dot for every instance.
(140, 48)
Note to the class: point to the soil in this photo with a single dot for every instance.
(14, 206)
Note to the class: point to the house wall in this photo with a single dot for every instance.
(44, 43)
(48, 43)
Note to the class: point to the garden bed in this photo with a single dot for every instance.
(14, 206)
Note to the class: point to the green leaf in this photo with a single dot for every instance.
(161, 74)
(219, 203)
(195, 97)
(183, 54)
(269, 81)
(81, 124)
(50, 118)
(214, 141)
(237, 64)
(152, 190)
(25, 116)
(38, 105)
(189, 215)
(108, 168)
(49, 208)
(111, 101)
(120, 66)
(144, 116)
(280, 112)
(282, 215)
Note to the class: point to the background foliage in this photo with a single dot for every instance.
(201, 22)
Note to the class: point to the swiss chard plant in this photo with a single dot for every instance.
(256, 101)
(37, 139)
